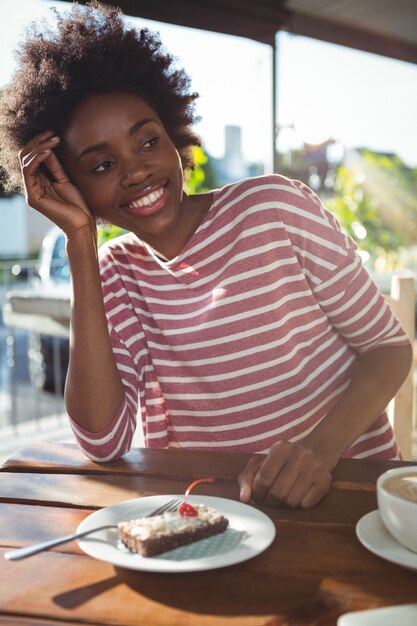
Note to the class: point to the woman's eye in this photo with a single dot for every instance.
(151, 142)
(105, 165)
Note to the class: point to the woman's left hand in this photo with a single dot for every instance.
(290, 475)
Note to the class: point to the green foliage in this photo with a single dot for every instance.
(108, 232)
(195, 179)
(375, 200)
(359, 217)
(392, 164)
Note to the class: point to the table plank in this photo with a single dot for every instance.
(97, 491)
(10, 620)
(79, 588)
(343, 505)
(22, 525)
(59, 457)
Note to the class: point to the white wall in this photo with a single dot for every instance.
(21, 228)
(37, 226)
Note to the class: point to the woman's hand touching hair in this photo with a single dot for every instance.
(55, 196)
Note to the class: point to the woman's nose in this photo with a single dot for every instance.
(135, 171)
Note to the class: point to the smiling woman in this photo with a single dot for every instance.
(240, 319)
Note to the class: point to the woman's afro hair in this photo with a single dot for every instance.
(91, 51)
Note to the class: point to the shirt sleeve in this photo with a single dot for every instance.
(115, 440)
(340, 283)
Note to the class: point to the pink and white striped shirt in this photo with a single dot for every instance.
(249, 335)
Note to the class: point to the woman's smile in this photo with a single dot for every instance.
(148, 202)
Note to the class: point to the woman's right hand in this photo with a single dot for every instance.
(58, 199)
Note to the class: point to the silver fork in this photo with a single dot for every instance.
(22, 553)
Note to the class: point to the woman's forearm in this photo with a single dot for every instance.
(376, 378)
(94, 391)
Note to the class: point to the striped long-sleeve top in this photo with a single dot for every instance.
(249, 335)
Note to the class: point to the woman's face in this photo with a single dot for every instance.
(122, 160)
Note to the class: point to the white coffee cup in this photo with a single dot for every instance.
(397, 502)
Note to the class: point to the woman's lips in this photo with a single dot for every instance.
(148, 204)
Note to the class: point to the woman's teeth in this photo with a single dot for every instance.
(146, 200)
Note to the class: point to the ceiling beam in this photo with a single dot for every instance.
(261, 19)
(334, 32)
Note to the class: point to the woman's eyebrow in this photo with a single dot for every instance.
(132, 130)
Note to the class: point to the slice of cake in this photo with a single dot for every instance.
(150, 536)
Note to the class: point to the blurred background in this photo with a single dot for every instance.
(323, 92)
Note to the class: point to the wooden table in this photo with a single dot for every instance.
(314, 571)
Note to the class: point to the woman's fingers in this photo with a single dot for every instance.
(34, 148)
(35, 143)
(30, 166)
(37, 139)
(309, 488)
(48, 188)
(270, 470)
(56, 169)
(247, 476)
(27, 155)
(36, 152)
(291, 475)
(316, 492)
(30, 171)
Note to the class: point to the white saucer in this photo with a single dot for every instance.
(372, 534)
(402, 615)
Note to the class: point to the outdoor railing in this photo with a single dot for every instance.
(29, 408)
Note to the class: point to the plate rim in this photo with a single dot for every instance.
(374, 517)
(192, 565)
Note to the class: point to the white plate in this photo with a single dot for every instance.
(249, 533)
(371, 532)
(402, 615)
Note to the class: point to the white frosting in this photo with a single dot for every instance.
(169, 523)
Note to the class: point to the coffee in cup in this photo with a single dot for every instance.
(403, 486)
(397, 503)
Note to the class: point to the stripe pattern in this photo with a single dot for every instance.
(249, 336)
